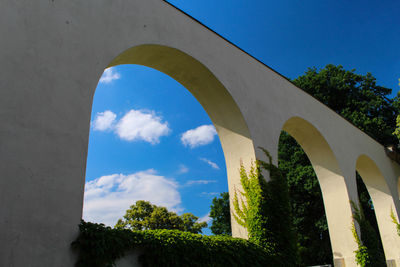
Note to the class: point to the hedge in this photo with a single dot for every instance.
(98, 245)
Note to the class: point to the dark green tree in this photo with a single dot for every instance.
(145, 216)
(309, 219)
(367, 105)
(355, 97)
(221, 215)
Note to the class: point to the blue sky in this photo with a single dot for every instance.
(150, 138)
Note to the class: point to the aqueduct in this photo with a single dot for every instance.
(53, 53)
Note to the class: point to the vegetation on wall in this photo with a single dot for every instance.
(395, 221)
(369, 253)
(263, 209)
(362, 257)
(100, 246)
(267, 214)
(360, 100)
(365, 104)
(314, 246)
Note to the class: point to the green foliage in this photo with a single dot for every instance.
(307, 206)
(362, 257)
(100, 246)
(221, 216)
(355, 97)
(365, 104)
(146, 216)
(263, 209)
(397, 130)
(370, 251)
(395, 221)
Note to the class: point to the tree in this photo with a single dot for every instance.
(356, 97)
(221, 215)
(397, 130)
(146, 216)
(365, 104)
(307, 206)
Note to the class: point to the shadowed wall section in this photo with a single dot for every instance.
(212, 95)
(383, 203)
(333, 186)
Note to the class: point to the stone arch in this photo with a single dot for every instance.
(222, 109)
(382, 200)
(333, 186)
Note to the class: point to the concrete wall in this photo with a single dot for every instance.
(53, 53)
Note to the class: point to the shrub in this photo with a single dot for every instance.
(100, 246)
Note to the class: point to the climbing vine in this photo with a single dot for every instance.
(369, 251)
(394, 220)
(263, 208)
(362, 257)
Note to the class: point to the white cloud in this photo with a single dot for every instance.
(199, 136)
(109, 75)
(104, 120)
(198, 182)
(183, 169)
(206, 218)
(108, 197)
(141, 125)
(209, 162)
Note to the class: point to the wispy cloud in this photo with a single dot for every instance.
(209, 162)
(199, 182)
(209, 194)
(109, 75)
(142, 125)
(183, 169)
(206, 218)
(108, 197)
(199, 136)
(104, 120)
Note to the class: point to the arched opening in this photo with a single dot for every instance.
(369, 226)
(211, 94)
(333, 187)
(382, 204)
(307, 205)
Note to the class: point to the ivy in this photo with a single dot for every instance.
(263, 208)
(394, 220)
(368, 253)
(362, 257)
(100, 246)
(265, 213)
